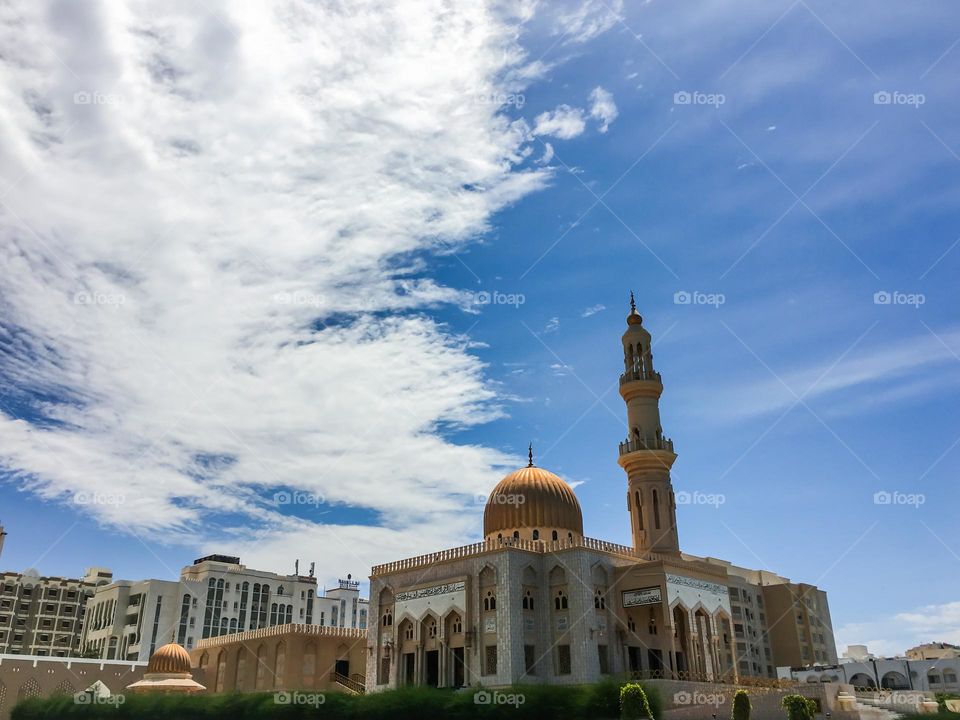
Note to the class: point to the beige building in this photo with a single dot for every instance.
(933, 651)
(27, 677)
(44, 616)
(284, 657)
(214, 596)
(537, 601)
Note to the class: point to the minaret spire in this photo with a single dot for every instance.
(647, 454)
(530, 455)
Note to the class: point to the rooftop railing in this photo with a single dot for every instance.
(536, 546)
(289, 628)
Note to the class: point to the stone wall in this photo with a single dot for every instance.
(25, 676)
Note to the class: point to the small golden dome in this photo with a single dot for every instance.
(169, 659)
(532, 499)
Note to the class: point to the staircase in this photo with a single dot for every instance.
(356, 684)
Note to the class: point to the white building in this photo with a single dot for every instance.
(215, 596)
(867, 672)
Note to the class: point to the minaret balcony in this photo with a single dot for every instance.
(637, 444)
(640, 375)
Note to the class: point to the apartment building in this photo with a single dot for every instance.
(214, 596)
(45, 615)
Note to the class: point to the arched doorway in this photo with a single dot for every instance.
(894, 681)
(681, 639)
(862, 681)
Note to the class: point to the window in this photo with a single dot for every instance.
(536, 534)
(599, 601)
(563, 660)
(604, 661)
(560, 601)
(432, 629)
(555, 536)
(652, 624)
(388, 618)
(527, 600)
(490, 660)
(457, 625)
(490, 601)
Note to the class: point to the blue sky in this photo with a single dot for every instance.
(244, 264)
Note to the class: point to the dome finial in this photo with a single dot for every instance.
(530, 455)
(633, 318)
(633, 304)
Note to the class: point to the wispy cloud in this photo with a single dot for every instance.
(593, 310)
(205, 278)
(603, 108)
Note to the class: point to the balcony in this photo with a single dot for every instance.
(635, 444)
(638, 374)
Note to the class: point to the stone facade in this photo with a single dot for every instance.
(23, 677)
(282, 658)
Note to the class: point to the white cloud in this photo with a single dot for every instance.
(553, 324)
(592, 310)
(581, 20)
(208, 219)
(547, 154)
(603, 108)
(565, 122)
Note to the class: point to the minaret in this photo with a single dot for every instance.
(646, 455)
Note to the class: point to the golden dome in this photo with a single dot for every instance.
(169, 659)
(532, 499)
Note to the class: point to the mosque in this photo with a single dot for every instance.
(536, 601)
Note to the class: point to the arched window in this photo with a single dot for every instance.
(432, 629)
(387, 618)
(555, 536)
(599, 601)
(536, 534)
(499, 536)
(457, 624)
(273, 614)
(490, 601)
(516, 534)
(560, 601)
(527, 600)
(570, 536)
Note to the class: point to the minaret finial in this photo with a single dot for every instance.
(530, 455)
(633, 304)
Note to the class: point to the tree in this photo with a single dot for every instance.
(741, 705)
(798, 707)
(633, 703)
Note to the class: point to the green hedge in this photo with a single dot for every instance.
(539, 702)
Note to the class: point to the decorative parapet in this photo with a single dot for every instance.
(288, 629)
(508, 543)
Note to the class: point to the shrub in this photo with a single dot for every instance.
(633, 703)
(798, 707)
(741, 705)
